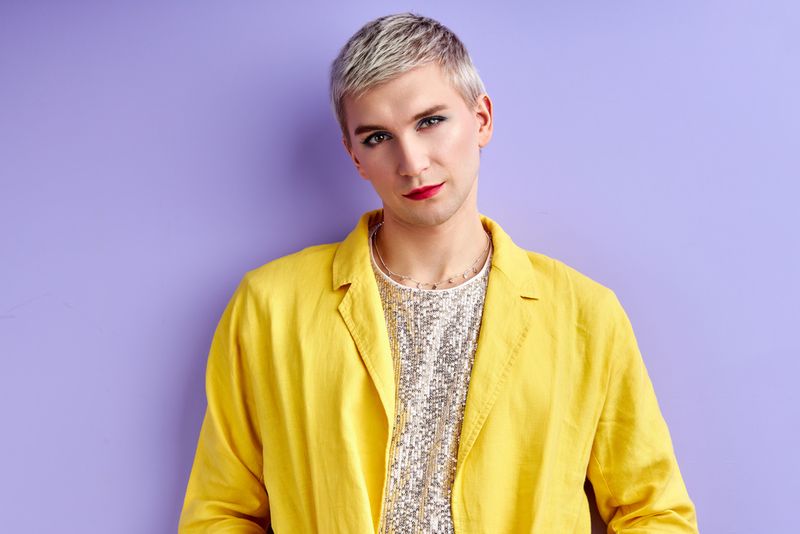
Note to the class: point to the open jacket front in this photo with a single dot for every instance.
(301, 399)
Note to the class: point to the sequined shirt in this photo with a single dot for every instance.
(433, 336)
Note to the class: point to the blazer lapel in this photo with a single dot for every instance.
(362, 311)
(507, 312)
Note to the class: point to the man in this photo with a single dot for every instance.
(426, 374)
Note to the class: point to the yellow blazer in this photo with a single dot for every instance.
(301, 399)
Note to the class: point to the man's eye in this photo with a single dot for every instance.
(374, 139)
(430, 121)
(379, 137)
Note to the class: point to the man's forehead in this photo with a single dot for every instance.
(394, 108)
(419, 80)
(402, 99)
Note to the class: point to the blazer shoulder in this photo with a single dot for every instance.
(559, 281)
(588, 305)
(307, 267)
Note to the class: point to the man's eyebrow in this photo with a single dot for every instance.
(372, 127)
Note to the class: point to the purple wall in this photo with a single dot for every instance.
(151, 154)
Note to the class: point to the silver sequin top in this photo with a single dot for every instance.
(433, 335)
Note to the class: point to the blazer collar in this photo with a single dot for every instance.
(351, 262)
(507, 316)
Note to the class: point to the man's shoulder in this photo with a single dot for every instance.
(561, 282)
(310, 266)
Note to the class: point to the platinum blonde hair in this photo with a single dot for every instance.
(389, 46)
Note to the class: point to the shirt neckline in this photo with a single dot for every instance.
(397, 284)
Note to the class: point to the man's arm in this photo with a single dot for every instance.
(633, 469)
(226, 491)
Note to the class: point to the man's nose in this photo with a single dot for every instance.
(413, 158)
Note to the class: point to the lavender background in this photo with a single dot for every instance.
(152, 152)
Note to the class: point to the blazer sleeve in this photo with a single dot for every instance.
(633, 469)
(226, 491)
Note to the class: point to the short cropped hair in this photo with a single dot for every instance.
(389, 46)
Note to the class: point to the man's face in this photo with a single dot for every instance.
(418, 143)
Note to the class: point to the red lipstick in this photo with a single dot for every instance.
(421, 193)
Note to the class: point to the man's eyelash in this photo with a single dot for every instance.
(367, 140)
(437, 118)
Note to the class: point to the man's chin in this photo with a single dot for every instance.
(426, 216)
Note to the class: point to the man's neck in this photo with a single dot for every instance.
(433, 253)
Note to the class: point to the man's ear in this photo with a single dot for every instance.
(484, 114)
(353, 157)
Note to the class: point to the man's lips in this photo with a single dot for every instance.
(424, 192)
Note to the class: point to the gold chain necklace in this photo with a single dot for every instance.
(472, 269)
